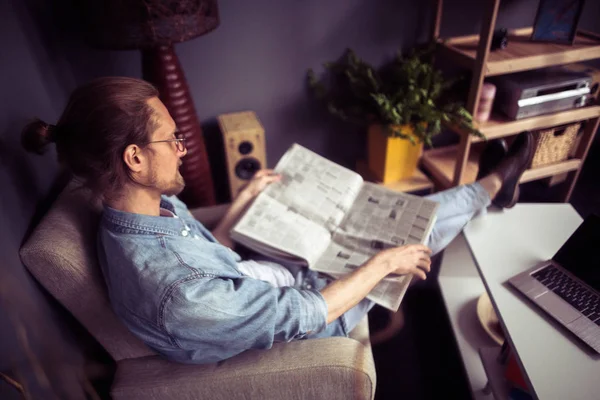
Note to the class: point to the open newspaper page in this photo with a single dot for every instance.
(325, 215)
(314, 187)
(294, 218)
(270, 228)
(379, 219)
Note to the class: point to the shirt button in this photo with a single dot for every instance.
(184, 233)
(309, 286)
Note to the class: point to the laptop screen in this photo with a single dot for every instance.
(580, 255)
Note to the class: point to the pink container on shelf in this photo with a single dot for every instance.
(486, 101)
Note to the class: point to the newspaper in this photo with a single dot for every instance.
(325, 217)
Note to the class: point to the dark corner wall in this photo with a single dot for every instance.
(256, 59)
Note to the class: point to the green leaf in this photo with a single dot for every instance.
(403, 91)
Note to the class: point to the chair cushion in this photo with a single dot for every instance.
(61, 255)
(331, 368)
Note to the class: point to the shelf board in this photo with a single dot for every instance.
(521, 54)
(441, 162)
(499, 126)
(550, 170)
(418, 182)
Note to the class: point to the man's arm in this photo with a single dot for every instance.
(221, 231)
(258, 183)
(242, 313)
(343, 294)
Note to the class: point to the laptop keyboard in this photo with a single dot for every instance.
(577, 295)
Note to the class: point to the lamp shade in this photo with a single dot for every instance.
(139, 24)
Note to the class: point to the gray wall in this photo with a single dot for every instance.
(256, 59)
(27, 88)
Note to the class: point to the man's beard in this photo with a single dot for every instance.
(172, 188)
(176, 186)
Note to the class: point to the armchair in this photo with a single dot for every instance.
(61, 255)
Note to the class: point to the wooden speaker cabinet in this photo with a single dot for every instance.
(244, 144)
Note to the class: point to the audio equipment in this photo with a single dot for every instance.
(594, 73)
(244, 144)
(531, 93)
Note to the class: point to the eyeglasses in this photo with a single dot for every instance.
(179, 142)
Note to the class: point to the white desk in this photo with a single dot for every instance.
(502, 244)
(461, 286)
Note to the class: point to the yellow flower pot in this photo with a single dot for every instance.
(392, 159)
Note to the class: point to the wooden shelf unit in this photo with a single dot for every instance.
(441, 163)
(417, 183)
(499, 126)
(521, 53)
(456, 165)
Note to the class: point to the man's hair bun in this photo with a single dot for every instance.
(36, 136)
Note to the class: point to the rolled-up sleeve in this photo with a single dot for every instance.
(216, 318)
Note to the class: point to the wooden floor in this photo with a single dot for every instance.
(421, 361)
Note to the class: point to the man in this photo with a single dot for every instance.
(182, 289)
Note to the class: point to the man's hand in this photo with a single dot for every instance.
(409, 259)
(258, 183)
(344, 293)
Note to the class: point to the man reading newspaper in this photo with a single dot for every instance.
(182, 289)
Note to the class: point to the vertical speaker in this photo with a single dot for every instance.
(244, 144)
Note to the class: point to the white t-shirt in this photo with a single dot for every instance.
(277, 275)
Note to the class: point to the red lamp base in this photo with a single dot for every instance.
(161, 67)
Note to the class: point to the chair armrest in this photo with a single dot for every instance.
(210, 216)
(331, 368)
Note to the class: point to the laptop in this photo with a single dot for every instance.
(568, 286)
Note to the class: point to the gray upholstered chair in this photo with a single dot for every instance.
(61, 255)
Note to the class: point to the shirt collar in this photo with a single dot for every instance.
(142, 223)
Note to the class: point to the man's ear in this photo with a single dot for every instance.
(134, 158)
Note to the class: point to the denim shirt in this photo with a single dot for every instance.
(180, 291)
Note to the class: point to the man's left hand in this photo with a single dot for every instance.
(258, 183)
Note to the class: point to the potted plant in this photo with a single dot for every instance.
(403, 104)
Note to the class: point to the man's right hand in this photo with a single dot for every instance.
(346, 292)
(409, 259)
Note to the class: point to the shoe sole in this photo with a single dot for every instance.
(514, 185)
(515, 198)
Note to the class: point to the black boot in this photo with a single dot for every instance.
(490, 158)
(512, 167)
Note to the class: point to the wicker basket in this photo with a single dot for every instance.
(554, 145)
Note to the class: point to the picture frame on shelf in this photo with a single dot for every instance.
(556, 21)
